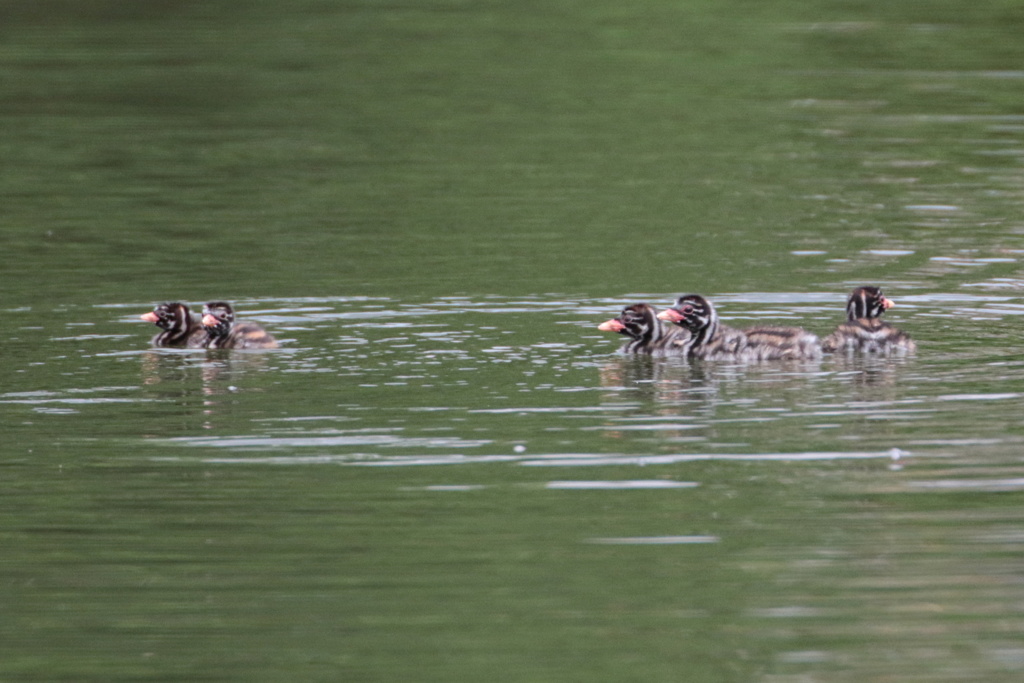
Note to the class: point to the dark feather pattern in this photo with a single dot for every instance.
(224, 333)
(713, 340)
(181, 329)
(647, 335)
(864, 331)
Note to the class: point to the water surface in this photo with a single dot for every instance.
(447, 473)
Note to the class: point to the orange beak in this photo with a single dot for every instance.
(150, 317)
(613, 325)
(887, 304)
(210, 321)
(671, 315)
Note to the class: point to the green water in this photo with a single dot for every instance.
(446, 474)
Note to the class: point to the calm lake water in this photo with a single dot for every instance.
(446, 473)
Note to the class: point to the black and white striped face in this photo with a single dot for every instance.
(217, 317)
(867, 302)
(693, 312)
(169, 316)
(637, 322)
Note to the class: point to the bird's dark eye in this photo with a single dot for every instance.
(686, 310)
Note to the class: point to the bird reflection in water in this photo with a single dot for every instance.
(199, 382)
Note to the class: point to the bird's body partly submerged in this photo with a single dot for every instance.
(180, 329)
(713, 340)
(647, 334)
(224, 333)
(864, 331)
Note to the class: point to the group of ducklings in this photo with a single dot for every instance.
(691, 328)
(215, 329)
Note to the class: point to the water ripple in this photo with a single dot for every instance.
(654, 540)
(620, 485)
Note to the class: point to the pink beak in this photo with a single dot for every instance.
(210, 321)
(613, 325)
(887, 304)
(671, 315)
(150, 317)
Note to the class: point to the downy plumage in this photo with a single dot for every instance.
(647, 334)
(713, 340)
(180, 328)
(864, 331)
(225, 333)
